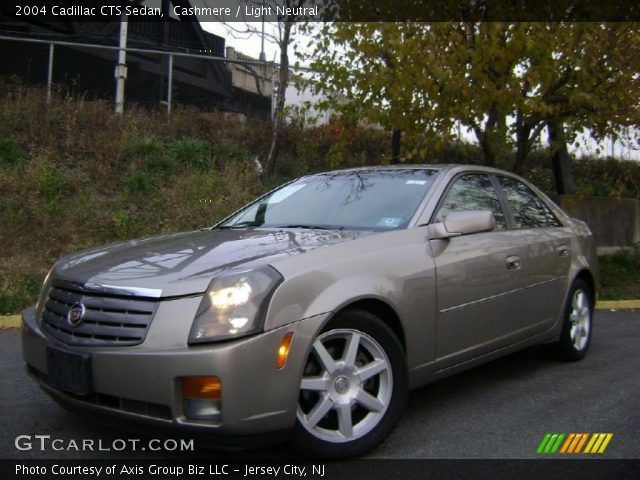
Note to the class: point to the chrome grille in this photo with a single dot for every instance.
(109, 320)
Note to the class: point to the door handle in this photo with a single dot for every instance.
(563, 250)
(513, 262)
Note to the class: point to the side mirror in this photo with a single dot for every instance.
(463, 223)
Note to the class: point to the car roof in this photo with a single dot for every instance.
(425, 166)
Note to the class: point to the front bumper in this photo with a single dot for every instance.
(143, 382)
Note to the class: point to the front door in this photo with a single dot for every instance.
(478, 277)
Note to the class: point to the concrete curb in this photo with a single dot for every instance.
(14, 321)
(618, 305)
(10, 321)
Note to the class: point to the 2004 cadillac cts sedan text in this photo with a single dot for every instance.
(313, 310)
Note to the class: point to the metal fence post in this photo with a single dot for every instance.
(50, 71)
(170, 84)
(121, 67)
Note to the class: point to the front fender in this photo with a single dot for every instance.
(396, 268)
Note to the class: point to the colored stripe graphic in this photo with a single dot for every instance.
(556, 445)
(572, 443)
(576, 439)
(598, 443)
(592, 442)
(577, 443)
(543, 443)
(565, 447)
(550, 443)
(581, 443)
(605, 443)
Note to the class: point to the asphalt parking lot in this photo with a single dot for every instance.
(499, 410)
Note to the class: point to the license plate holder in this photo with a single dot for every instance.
(69, 371)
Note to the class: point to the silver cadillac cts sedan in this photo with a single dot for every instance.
(314, 309)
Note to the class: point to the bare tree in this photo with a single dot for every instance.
(278, 27)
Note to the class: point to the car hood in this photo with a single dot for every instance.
(184, 263)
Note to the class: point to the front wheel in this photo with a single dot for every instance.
(353, 389)
(575, 337)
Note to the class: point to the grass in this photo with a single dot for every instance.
(74, 176)
(620, 275)
(10, 154)
(19, 290)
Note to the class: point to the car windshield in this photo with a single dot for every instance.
(352, 200)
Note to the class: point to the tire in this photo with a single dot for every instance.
(340, 414)
(577, 326)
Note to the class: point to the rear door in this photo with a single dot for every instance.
(544, 245)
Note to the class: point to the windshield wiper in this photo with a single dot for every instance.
(296, 225)
(310, 227)
(239, 225)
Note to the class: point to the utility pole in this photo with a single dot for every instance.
(263, 57)
(121, 67)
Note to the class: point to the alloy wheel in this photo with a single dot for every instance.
(346, 386)
(580, 318)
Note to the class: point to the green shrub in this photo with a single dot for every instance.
(10, 154)
(140, 182)
(18, 290)
(228, 150)
(52, 183)
(620, 274)
(151, 156)
(607, 177)
(190, 152)
(626, 259)
(160, 164)
(122, 222)
(143, 148)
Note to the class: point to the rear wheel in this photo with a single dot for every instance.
(353, 389)
(575, 337)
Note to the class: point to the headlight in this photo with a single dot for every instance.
(235, 305)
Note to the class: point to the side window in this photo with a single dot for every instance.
(528, 210)
(472, 192)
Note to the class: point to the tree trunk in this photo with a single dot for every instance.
(278, 114)
(522, 141)
(562, 172)
(522, 148)
(396, 143)
(487, 150)
(489, 136)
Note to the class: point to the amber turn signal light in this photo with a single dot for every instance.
(283, 350)
(202, 387)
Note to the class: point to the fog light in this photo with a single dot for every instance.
(283, 350)
(202, 387)
(202, 398)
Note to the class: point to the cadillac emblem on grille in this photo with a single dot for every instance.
(75, 314)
